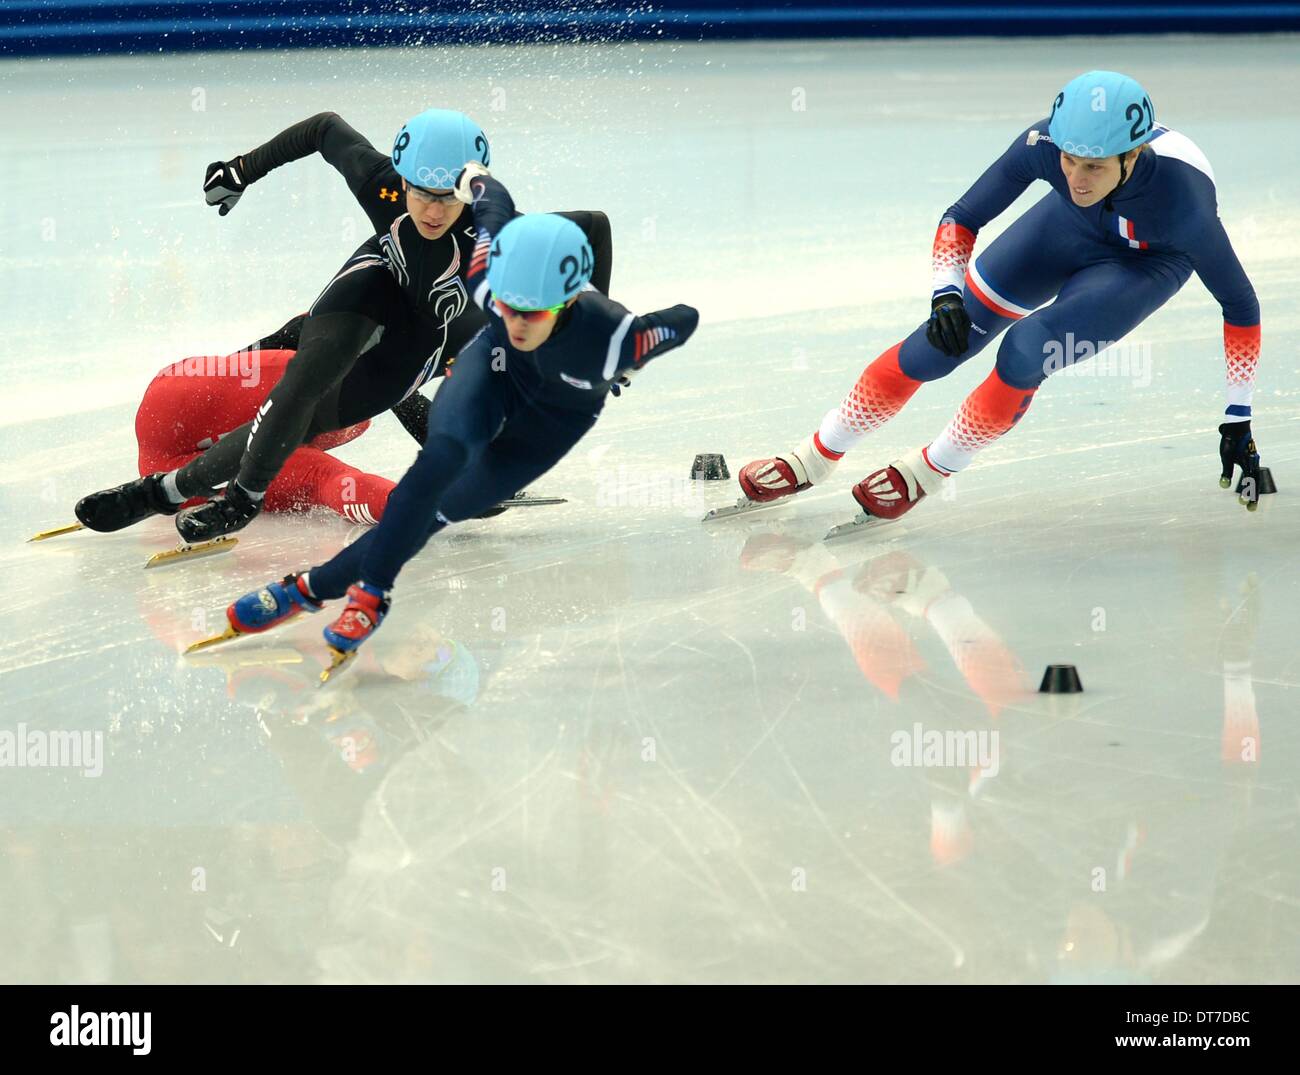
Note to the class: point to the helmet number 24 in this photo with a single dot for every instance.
(570, 266)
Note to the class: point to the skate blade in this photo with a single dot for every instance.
(859, 525)
(246, 658)
(339, 660)
(743, 506)
(44, 535)
(533, 501)
(215, 640)
(192, 552)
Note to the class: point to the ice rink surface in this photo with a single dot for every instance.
(602, 741)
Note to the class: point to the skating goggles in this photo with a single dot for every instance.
(527, 315)
(430, 196)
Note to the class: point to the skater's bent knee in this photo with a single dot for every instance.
(445, 452)
(922, 361)
(1026, 356)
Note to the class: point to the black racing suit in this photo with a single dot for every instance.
(391, 319)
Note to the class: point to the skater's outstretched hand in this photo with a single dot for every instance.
(622, 381)
(224, 184)
(491, 203)
(472, 170)
(949, 327)
(1237, 448)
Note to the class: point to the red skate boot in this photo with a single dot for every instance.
(366, 609)
(894, 490)
(764, 481)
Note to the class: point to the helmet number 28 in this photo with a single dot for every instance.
(1135, 113)
(569, 266)
(403, 140)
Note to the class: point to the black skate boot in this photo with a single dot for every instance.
(124, 505)
(219, 516)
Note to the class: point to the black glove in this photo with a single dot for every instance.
(616, 387)
(1237, 448)
(223, 184)
(949, 327)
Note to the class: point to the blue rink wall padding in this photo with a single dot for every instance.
(55, 27)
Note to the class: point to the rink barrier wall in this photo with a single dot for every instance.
(89, 27)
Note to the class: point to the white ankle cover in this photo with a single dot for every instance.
(169, 489)
(808, 464)
(917, 472)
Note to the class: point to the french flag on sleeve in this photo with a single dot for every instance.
(1126, 231)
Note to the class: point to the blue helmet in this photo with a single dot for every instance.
(539, 261)
(1101, 114)
(431, 149)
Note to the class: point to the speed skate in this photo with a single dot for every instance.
(339, 662)
(743, 506)
(180, 554)
(194, 551)
(861, 524)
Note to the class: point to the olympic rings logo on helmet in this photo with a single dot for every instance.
(435, 178)
(519, 302)
(1077, 149)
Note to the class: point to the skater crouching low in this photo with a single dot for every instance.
(521, 395)
(1132, 214)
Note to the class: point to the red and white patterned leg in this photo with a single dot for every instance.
(984, 416)
(879, 393)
